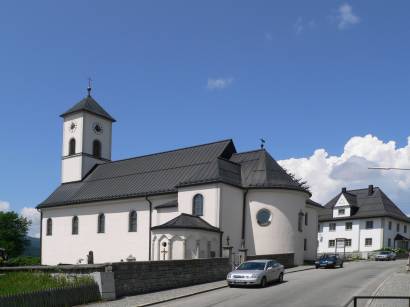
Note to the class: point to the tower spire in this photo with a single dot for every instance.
(89, 87)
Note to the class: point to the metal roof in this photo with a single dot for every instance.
(377, 204)
(166, 171)
(88, 104)
(187, 221)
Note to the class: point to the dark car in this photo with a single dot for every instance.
(329, 261)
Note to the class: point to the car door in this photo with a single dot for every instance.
(270, 271)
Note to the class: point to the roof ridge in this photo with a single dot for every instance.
(249, 151)
(169, 151)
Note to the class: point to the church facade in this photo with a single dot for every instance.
(180, 204)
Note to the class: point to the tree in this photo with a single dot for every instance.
(13, 232)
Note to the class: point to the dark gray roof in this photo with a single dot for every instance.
(170, 204)
(88, 104)
(187, 221)
(164, 172)
(399, 237)
(366, 206)
(313, 203)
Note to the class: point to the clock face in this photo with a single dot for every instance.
(97, 128)
(72, 127)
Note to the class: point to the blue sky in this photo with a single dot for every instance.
(301, 74)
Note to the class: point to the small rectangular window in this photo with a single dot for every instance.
(348, 242)
(369, 224)
(341, 211)
(405, 229)
(332, 226)
(368, 242)
(304, 244)
(348, 225)
(331, 243)
(389, 225)
(398, 227)
(306, 219)
(388, 242)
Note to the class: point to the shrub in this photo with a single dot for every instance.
(22, 261)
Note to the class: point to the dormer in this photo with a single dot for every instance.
(344, 204)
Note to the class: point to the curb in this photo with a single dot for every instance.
(200, 292)
(181, 296)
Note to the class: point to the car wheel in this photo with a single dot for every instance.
(341, 265)
(263, 282)
(280, 279)
(317, 267)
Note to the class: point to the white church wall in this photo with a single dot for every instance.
(310, 232)
(115, 244)
(77, 133)
(281, 235)
(210, 193)
(71, 169)
(89, 134)
(231, 214)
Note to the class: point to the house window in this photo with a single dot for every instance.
(405, 228)
(101, 223)
(49, 227)
(74, 225)
(348, 226)
(319, 228)
(388, 242)
(369, 224)
(71, 147)
(300, 221)
(97, 149)
(198, 205)
(332, 226)
(132, 223)
(368, 242)
(341, 212)
(331, 243)
(398, 227)
(304, 244)
(263, 217)
(348, 242)
(389, 225)
(306, 219)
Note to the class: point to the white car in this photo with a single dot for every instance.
(256, 272)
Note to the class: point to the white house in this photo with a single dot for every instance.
(179, 204)
(361, 221)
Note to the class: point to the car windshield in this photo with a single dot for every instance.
(384, 253)
(330, 258)
(258, 266)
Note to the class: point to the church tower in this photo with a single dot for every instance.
(87, 131)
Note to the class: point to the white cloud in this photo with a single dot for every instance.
(327, 174)
(34, 216)
(346, 17)
(4, 205)
(219, 83)
(301, 25)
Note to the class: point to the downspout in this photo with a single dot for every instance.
(41, 236)
(243, 217)
(150, 224)
(220, 244)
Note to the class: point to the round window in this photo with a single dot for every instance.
(264, 217)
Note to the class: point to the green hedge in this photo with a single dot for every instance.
(22, 261)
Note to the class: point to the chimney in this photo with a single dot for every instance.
(343, 190)
(370, 190)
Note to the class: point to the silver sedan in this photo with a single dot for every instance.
(256, 272)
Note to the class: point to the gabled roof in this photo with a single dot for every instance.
(165, 172)
(314, 204)
(187, 221)
(88, 104)
(375, 205)
(170, 204)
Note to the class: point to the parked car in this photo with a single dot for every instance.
(256, 272)
(385, 256)
(329, 261)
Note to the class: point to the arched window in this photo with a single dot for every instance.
(71, 147)
(306, 219)
(300, 221)
(101, 223)
(198, 205)
(97, 149)
(74, 228)
(132, 223)
(49, 227)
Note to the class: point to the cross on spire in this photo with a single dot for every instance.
(89, 86)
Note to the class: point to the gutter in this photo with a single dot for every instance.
(41, 236)
(244, 214)
(150, 224)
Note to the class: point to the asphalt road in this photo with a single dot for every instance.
(323, 287)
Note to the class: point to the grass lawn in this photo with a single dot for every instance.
(22, 282)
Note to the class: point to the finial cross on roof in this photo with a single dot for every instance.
(89, 86)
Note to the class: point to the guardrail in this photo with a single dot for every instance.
(355, 299)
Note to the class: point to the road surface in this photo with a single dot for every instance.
(323, 287)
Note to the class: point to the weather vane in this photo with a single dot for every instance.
(262, 143)
(89, 86)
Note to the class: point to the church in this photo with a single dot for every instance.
(180, 204)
